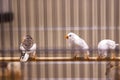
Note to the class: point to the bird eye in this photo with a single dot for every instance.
(69, 35)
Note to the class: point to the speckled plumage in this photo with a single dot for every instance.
(27, 47)
(27, 42)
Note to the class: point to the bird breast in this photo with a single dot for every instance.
(27, 44)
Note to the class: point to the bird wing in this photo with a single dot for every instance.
(83, 44)
(21, 47)
(33, 48)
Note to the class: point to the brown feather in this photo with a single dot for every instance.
(27, 42)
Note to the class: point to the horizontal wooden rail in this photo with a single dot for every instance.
(59, 59)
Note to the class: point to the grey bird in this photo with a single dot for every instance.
(28, 48)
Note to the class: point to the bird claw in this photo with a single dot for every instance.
(113, 56)
(98, 57)
(33, 58)
(86, 57)
(75, 57)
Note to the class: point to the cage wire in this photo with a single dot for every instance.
(48, 21)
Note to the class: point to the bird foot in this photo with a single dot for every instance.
(113, 56)
(86, 57)
(75, 57)
(32, 59)
(98, 57)
(101, 57)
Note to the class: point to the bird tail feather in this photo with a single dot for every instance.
(24, 58)
(117, 44)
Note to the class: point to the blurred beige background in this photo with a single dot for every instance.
(93, 20)
(48, 21)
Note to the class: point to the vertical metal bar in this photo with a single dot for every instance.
(2, 39)
(81, 71)
(45, 27)
(45, 36)
(19, 21)
(99, 21)
(11, 39)
(116, 32)
(19, 33)
(36, 11)
(11, 32)
(72, 30)
(90, 25)
(80, 13)
(54, 25)
(90, 37)
(27, 17)
(2, 34)
(54, 33)
(63, 23)
(72, 15)
(27, 5)
(107, 19)
(116, 21)
(99, 32)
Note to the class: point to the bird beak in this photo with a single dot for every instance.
(66, 37)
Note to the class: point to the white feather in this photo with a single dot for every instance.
(26, 53)
(104, 45)
(77, 42)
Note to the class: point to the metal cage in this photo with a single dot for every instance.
(48, 21)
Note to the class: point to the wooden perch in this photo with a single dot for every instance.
(59, 59)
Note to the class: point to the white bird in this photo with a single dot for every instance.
(77, 42)
(104, 46)
(28, 48)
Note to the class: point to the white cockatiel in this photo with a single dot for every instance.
(104, 46)
(77, 42)
(28, 48)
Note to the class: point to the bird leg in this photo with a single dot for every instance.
(75, 56)
(102, 55)
(33, 55)
(98, 57)
(86, 55)
(113, 56)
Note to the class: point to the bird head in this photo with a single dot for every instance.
(28, 37)
(27, 42)
(71, 36)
